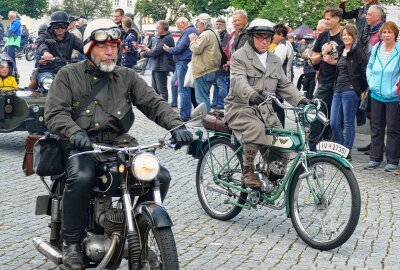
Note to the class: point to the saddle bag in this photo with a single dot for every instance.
(27, 164)
(48, 156)
(215, 121)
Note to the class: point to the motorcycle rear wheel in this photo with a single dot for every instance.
(30, 54)
(326, 222)
(158, 247)
(213, 196)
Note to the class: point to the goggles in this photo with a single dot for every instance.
(4, 64)
(60, 25)
(102, 35)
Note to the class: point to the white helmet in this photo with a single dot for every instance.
(261, 26)
(100, 30)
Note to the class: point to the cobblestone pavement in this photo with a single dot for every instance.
(260, 239)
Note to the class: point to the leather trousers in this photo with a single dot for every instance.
(82, 175)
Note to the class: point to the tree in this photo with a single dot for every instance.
(92, 9)
(213, 7)
(34, 9)
(168, 10)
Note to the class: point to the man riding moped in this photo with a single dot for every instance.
(255, 71)
(61, 46)
(106, 119)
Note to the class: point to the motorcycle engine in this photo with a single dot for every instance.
(114, 221)
(275, 170)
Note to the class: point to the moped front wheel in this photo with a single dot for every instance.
(157, 245)
(325, 207)
(213, 197)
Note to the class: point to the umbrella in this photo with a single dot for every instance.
(301, 31)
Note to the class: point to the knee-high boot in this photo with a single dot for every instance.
(248, 177)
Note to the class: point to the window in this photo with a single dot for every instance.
(129, 3)
(116, 2)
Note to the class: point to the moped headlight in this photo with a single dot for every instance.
(145, 167)
(46, 83)
(310, 113)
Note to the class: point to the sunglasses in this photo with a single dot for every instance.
(262, 38)
(102, 35)
(60, 25)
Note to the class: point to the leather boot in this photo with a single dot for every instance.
(33, 84)
(248, 177)
(72, 256)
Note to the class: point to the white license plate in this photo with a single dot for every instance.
(334, 148)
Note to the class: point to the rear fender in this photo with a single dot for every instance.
(342, 161)
(155, 213)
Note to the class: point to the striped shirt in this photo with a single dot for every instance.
(384, 55)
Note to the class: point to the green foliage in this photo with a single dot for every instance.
(34, 9)
(213, 7)
(92, 9)
(293, 12)
(168, 10)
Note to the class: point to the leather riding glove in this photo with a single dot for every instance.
(181, 137)
(80, 141)
(256, 99)
(303, 102)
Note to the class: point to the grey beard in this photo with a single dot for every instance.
(103, 66)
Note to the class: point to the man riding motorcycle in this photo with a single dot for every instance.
(106, 119)
(253, 71)
(62, 47)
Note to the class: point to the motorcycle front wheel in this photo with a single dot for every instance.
(325, 208)
(212, 196)
(158, 248)
(30, 54)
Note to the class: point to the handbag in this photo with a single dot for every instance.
(364, 100)
(189, 79)
(48, 156)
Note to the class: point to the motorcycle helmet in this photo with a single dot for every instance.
(42, 28)
(259, 26)
(100, 30)
(59, 17)
(7, 61)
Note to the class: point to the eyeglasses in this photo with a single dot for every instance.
(60, 25)
(102, 35)
(262, 38)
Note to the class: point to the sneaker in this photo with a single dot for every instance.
(390, 167)
(372, 165)
(364, 148)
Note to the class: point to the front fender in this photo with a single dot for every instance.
(338, 158)
(155, 213)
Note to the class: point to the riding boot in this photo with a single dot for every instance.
(72, 256)
(248, 177)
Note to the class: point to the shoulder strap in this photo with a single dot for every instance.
(90, 97)
(218, 39)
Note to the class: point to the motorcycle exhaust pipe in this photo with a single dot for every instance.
(50, 252)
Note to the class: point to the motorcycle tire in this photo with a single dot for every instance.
(212, 196)
(328, 219)
(158, 247)
(30, 54)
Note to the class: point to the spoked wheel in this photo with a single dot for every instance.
(158, 248)
(213, 196)
(327, 218)
(30, 54)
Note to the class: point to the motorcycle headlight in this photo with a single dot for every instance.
(310, 113)
(46, 83)
(145, 167)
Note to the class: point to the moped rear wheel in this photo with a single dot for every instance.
(158, 248)
(30, 54)
(213, 196)
(327, 219)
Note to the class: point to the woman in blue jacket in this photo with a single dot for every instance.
(383, 73)
(129, 45)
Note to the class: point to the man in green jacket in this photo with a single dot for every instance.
(106, 119)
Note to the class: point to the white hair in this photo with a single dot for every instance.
(12, 13)
(240, 11)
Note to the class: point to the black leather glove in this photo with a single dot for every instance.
(303, 102)
(256, 99)
(81, 141)
(181, 137)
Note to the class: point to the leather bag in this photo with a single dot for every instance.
(48, 156)
(215, 121)
(27, 164)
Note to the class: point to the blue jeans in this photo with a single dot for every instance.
(202, 87)
(184, 92)
(174, 90)
(11, 52)
(220, 89)
(344, 103)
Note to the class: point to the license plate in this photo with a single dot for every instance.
(333, 148)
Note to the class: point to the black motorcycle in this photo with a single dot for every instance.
(117, 228)
(28, 50)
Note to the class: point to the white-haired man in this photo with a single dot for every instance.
(13, 35)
